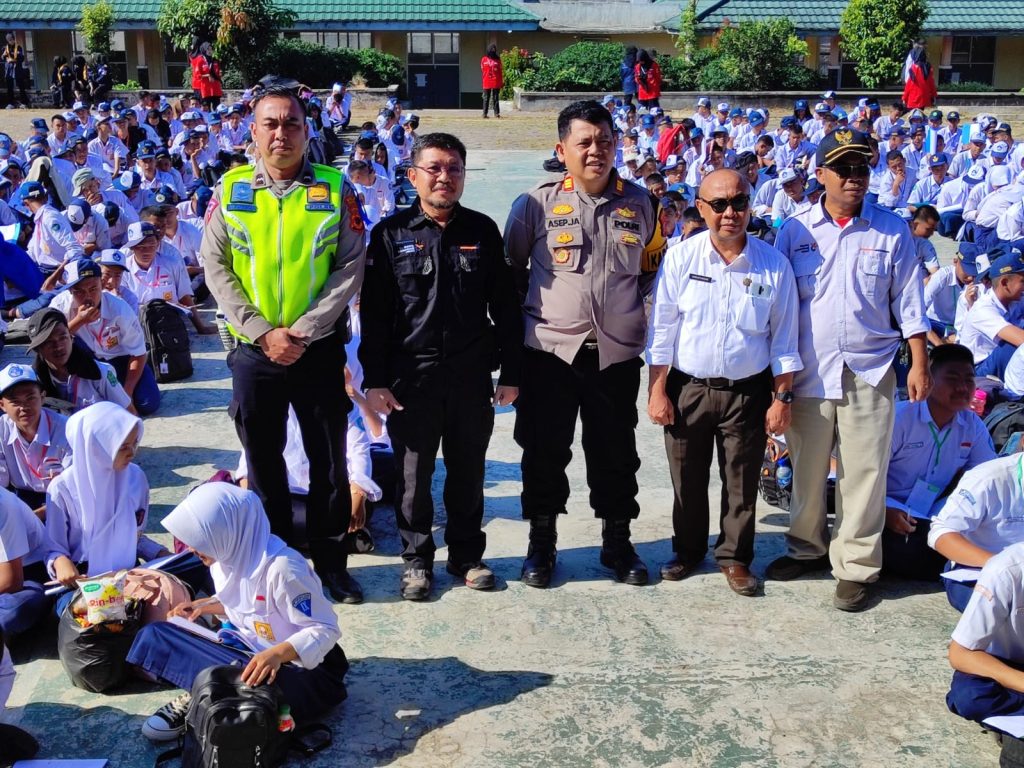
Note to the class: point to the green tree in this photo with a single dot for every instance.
(686, 40)
(876, 34)
(760, 53)
(581, 67)
(96, 25)
(237, 29)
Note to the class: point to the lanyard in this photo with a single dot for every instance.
(939, 443)
(19, 448)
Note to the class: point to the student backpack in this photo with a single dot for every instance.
(1005, 419)
(232, 725)
(167, 341)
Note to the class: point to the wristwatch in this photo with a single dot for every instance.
(785, 397)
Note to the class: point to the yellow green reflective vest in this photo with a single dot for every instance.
(281, 249)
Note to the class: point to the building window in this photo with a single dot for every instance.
(353, 41)
(177, 70)
(972, 59)
(433, 47)
(117, 61)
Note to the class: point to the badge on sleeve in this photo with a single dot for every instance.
(355, 215)
(304, 604)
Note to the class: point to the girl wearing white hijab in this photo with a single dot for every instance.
(97, 512)
(269, 594)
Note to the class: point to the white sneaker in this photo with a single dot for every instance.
(168, 722)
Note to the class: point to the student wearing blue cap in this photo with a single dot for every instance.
(927, 189)
(942, 294)
(988, 330)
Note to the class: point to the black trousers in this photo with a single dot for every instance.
(552, 395)
(910, 557)
(491, 96)
(315, 386)
(731, 421)
(453, 413)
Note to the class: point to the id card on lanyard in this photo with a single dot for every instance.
(923, 495)
(44, 468)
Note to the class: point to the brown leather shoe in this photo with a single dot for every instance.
(740, 579)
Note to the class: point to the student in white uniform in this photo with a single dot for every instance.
(980, 519)
(926, 190)
(33, 446)
(68, 372)
(790, 196)
(96, 511)
(23, 545)
(987, 648)
(52, 240)
(271, 597)
(953, 198)
(112, 267)
(942, 294)
(989, 331)
(933, 443)
(111, 329)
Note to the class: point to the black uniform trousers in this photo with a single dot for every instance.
(552, 395)
(315, 386)
(731, 420)
(452, 412)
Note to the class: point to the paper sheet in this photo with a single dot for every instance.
(1011, 724)
(963, 575)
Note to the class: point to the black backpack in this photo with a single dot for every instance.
(1003, 421)
(232, 725)
(167, 341)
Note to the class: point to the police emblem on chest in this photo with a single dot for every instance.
(242, 198)
(318, 197)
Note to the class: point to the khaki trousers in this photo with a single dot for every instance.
(861, 426)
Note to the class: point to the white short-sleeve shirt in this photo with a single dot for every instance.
(116, 333)
(22, 534)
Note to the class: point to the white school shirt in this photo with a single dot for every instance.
(293, 610)
(917, 160)
(953, 196)
(716, 320)
(926, 191)
(787, 157)
(22, 534)
(82, 392)
(109, 152)
(764, 197)
(982, 325)
(1011, 223)
(962, 162)
(941, 295)
(237, 136)
(119, 232)
(993, 620)
(1013, 376)
(94, 232)
(31, 466)
(165, 279)
(186, 214)
(116, 333)
(921, 451)
(187, 241)
(926, 255)
(52, 242)
(64, 521)
(987, 506)
(854, 283)
(995, 205)
(887, 199)
(977, 193)
(783, 206)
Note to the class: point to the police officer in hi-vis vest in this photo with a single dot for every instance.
(283, 248)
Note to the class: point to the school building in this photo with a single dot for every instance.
(441, 42)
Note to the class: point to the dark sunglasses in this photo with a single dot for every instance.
(860, 171)
(739, 203)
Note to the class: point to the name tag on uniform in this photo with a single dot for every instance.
(761, 290)
(701, 278)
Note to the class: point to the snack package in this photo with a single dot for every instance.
(104, 598)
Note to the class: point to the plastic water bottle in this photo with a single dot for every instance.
(222, 330)
(285, 723)
(978, 401)
(783, 473)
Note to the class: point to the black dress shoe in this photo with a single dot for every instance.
(627, 565)
(538, 566)
(342, 587)
(677, 570)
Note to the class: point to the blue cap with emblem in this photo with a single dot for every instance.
(165, 195)
(78, 270)
(33, 190)
(146, 150)
(14, 374)
(139, 231)
(126, 181)
(934, 161)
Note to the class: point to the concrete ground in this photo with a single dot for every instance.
(587, 673)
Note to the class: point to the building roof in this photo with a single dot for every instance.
(822, 16)
(597, 16)
(355, 15)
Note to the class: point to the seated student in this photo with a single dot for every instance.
(987, 648)
(922, 226)
(23, 546)
(96, 510)
(895, 185)
(271, 597)
(68, 371)
(691, 223)
(988, 329)
(151, 275)
(953, 198)
(33, 446)
(112, 266)
(790, 198)
(110, 329)
(933, 442)
(942, 294)
(926, 191)
(980, 518)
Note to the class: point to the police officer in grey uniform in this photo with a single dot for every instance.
(578, 247)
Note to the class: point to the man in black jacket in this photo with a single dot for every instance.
(439, 312)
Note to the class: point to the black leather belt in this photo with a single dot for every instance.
(719, 383)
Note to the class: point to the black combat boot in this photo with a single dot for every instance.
(617, 553)
(540, 557)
